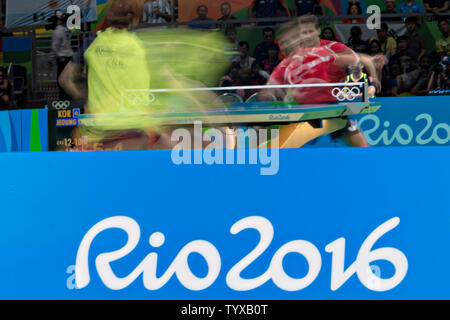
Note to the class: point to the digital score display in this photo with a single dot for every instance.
(63, 119)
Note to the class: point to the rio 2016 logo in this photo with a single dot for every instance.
(362, 266)
(424, 132)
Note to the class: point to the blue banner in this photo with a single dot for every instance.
(342, 223)
(405, 121)
(24, 130)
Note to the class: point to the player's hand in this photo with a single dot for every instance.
(380, 61)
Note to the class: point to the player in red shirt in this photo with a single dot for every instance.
(311, 60)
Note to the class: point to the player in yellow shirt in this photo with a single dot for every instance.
(123, 66)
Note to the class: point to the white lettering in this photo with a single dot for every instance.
(74, 21)
(369, 275)
(148, 266)
(374, 21)
(214, 152)
(183, 147)
(404, 134)
(361, 266)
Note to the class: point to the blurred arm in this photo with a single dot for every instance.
(73, 81)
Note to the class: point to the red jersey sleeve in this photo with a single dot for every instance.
(277, 75)
(338, 47)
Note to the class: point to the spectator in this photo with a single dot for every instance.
(420, 87)
(440, 76)
(436, 6)
(388, 44)
(4, 89)
(409, 77)
(233, 72)
(328, 34)
(390, 9)
(244, 60)
(245, 79)
(410, 6)
(266, 9)
(272, 61)
(354, 9)
(157, 11)
(202, 13)
(225, 9)
(416, 42)
(231, 34)
(120, 15)
(261, 50)
(258, 73)
(226, 81)
(389, 82)
(303, 7)
(434, 57)
(355, 41)
(379, 59)
(443, 43)
(61, 50)
(374, 47)
(403, 53)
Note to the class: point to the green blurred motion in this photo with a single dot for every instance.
(123, 66)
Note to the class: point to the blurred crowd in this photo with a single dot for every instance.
(410, 68)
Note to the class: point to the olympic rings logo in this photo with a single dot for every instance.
(58, 105)
(346, 93)
(140, 98)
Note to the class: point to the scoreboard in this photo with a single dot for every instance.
(63, 118)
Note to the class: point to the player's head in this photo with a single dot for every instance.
(309, 31)
(288, 37)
